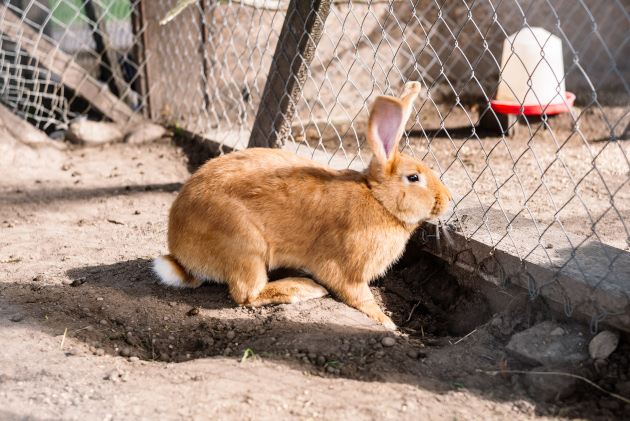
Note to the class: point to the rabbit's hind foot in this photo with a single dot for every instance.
(288, 290)
(172, 274)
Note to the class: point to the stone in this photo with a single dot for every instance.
(113, 376)
(93, 133)
(17, 318)
(537, 346)
(145, 133)
(133, 340)
(549, 387)
(603, 344)
(25, 132)
(388, 341)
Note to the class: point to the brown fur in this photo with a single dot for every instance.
(248, 211)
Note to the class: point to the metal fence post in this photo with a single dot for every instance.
(301, 32)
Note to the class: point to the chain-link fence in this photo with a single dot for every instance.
(62, 60)
(542, 201)
(552, 192)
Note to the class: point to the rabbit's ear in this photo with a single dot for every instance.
(387, 122)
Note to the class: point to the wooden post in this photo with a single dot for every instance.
(301, 32)
(111, 71)
(140, 56)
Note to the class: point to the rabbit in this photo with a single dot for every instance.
(246, 212)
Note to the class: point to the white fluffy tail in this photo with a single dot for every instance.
(172, 274)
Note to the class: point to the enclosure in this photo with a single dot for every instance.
(540, 207)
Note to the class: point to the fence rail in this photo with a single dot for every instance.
(541, 201)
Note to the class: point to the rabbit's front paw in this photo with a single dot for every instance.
(386, 321)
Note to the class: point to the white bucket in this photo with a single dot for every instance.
(537, 56)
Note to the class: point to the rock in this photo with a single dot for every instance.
(78, 282)
(321, 360)
(330, 369)
(25, 132)
(17, 318)
(113, 376)
(372, 341)
(388, 341)
(134, 359)
(345, 347)
(227, 351)
(133, 340)
(557, 332)
(549, 387)
(603, 344)
(412, 354)
(144, 133)
(93, 133)
(99, 352)
(125, 352)
(14, 153)
(39, 278)
(536, 346)
(230, 335)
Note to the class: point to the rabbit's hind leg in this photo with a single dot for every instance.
(288, 290)
(246, 278)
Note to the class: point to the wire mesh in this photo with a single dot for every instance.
(44, 96)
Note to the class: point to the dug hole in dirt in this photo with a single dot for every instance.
(89, 333)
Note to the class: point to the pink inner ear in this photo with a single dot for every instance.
(389, 121)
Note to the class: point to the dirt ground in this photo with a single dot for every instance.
(88, 333)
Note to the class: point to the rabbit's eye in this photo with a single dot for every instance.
(413, 178)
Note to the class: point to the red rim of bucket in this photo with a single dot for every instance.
(509, 107)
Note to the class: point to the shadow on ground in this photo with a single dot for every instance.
(446, 341)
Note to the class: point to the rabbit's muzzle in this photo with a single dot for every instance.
(442, 201)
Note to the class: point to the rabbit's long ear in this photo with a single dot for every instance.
(387, 122)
